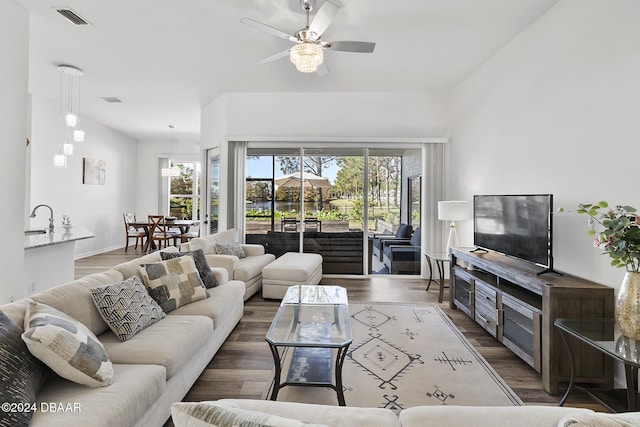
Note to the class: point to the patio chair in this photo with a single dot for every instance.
(402, 233)
(403, 256)
(289, 225)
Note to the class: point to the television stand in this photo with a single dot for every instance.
(549, 270)
(518, 306)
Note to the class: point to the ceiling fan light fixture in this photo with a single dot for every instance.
(306, 56)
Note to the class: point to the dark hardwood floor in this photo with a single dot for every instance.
(242, 367)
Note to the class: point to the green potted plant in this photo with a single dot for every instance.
(617, 231)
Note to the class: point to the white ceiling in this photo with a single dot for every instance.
(166, 58)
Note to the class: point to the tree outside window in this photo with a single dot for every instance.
(184, 196)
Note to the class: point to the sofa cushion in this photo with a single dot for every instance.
(189, 414)
(171, 342)
(126, 307)
(74, 299)
(173, 282)
(250, 267)
(224, 300)
(132, 268)
(334, 416)
(512, 416)
(134, 391)
(202, 265)
(66, 346)
(230, 249)
(21, 373)
(208, 243)
(598, 419)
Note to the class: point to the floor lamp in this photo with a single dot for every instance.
(453, 210)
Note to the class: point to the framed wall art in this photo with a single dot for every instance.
(93, 171)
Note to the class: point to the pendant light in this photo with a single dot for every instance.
(171, 171)
(69, 112)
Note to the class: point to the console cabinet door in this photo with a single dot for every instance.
(486, 307)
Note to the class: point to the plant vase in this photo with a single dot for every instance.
(628, 306)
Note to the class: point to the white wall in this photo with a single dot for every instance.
(313, 114)
(557, 110)
(99, 208)
(14, 50)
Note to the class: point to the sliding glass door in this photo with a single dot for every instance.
(331, 199)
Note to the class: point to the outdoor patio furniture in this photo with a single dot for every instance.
(402, 256)
(402, 233)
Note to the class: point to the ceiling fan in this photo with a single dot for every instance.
(308, 51)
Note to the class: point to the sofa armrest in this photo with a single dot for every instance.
(221, 274)
(253, 249)
(228, 262)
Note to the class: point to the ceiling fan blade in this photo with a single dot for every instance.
(322, 69)
(274, 57)
(324, 16)
(349, 46)
(266, 28)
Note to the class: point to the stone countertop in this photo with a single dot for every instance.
(60, 235)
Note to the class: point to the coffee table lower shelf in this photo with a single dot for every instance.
(309, 367)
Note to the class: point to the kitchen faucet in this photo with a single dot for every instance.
(33, 215)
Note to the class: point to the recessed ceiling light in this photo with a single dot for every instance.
(112, 99)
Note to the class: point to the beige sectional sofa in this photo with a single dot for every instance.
(246, 266)
(295, 414)
(153, 369)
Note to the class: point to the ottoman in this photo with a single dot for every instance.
(292, 268)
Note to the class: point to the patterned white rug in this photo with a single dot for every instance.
(405, 355)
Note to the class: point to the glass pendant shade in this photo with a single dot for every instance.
(78, 135)
(60, 161)
(67, 149)
(306, 56)
(71, 120)
(171, 171)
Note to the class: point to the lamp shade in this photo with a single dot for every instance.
(454, 210)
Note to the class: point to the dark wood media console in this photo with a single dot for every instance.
(517, 306)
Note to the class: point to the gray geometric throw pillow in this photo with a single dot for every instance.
(202, 265)
(173, 283)
(230, 249)
(126, 307)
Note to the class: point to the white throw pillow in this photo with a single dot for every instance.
(66, 346)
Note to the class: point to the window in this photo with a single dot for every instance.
(184, 196)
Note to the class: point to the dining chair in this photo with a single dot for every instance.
(193, 232)
(131, 232)
(159, 231)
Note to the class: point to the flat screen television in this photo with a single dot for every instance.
(515, 225)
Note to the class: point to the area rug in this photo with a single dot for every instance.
(406, 355)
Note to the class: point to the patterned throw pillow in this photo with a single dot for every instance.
(230, 249)
(21, 374)
(66, 346)
(202, 265)
(126, 307)
(173, 283)
(186, 414)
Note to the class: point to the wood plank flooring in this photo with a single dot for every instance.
(242, 367)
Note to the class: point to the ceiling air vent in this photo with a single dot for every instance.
(112, 99)
(72, 17)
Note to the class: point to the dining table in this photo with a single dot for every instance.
(181, 224)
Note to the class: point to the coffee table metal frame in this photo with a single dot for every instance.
(293, 322)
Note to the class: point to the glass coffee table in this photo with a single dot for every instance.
(309, 338)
